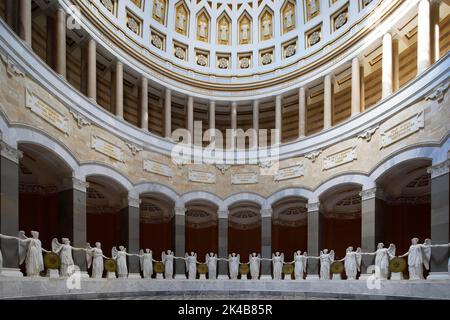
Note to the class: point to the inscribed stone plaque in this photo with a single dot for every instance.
(202, 177)
(290, 172)
(403, 130)
(107, 148)
(339, 158)
(157, 168)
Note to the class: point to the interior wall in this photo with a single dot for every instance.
(202, 241)
(289, 239)
(104, 228)
(339, 234)
(157, 237)
(244, 242)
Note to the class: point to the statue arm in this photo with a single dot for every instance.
(2, 236)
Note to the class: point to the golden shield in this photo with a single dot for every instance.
(110, 265)
(52, 261)
(244, 269)
(397, 265)
(337, 267)
(159, 267)
(202, 269)
(288, 269)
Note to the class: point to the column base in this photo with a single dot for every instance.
(397, 276)
(111, 275)
(203, 277)
(223, 277)
(11, 272)
(180, 277)
(244, 277)
(159, 276)
(438, 276)
(134, 276)
(265, 277)
(287, 277)
(336, 277)
(313, 277)
(84, 275)
(53, 273)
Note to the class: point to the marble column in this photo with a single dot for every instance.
(9, 207)
(327, 102)
(387, 83)
(356, 88)
(168, 114)
(119, 89)
(371, 224)
(11, 14)
(395, 65)
(266, 243)
(212, 115)
(72, 217)
(440, 206)
(362, 85)
(278, 118)
(223, 244)
(256, 122)
(92, 69)
(130, 226)
(25, 24)
(190, 116)
(144, 103)
(180, 244)
(61, 61)
(314, 240)
(302, 112)
(234, 115)
(423, 37)
(435, 31)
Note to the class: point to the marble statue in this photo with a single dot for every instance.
(266, 26)
(255, 262)
(30, 252)
(191, 265)
(159, 8)
(383, 256)
(64, 250)
(167, 259)
(313, 7)
(202, 29)
(121, 260)
(146, 261)
(245, 32)
(326, 259)
(94, 257)
(419, 255)
(181, 18)
(277, 261)
(211, 262)
(352, 262)
(224, 33)
(300, 262)
(289, 18)
(233, 265)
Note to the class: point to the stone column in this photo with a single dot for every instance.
(314, 240)
(387, 85)
(327, 102)
(190, 116)
(234, 115)
(362, 85)
(356, 88)
(395, 65)
(435, 31)
(440, 186)
(25, 24)
(371, 224)
(72, 217)
(130, 225)
(266, 243)
(119, 89)
(92, 69)
(223, 243)
(11, 14)
(168, 114)
(302, 113)
(278, 118)
(180, 247)
(212, 115)
(144, 103)
(256, 122)
(423, 37)
(9, 207)
(61, 67)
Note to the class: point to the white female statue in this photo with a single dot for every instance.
(121, 260)
(419, 255)
(65, 254)
(94, 257)
(211, 262)
(159, 7)
(383, 257)
(146, 261)
(300, 262)
(267, 22)
(191, 265)
(352, 262)
(167, 259)
(30, 251)
(233, 265)
(255, 263)
(277, 261)
(326, 259)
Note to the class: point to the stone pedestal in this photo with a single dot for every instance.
(336, 276)
(134, 276)
(244, 277)
(313, 277)
(159, 276)
(287, 277)
(223, 277)
(439, 276)
(397, 276)
(111, 275)
(53, 273)
(203, 277)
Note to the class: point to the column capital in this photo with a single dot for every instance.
(10, 152)
(372, 193)
(180, 211)
(134, 202)
(75, 183)
(313, 207)
(223, 214)
(439, 169)
(266, 213)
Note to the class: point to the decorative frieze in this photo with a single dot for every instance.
(244, 178)
(337, 159)
(403, 129)
(157, 168)
(108, 149)
(81, 120)
(201, 176)
(49, 114)
(10, 153)
(290, 172)
(439, 169)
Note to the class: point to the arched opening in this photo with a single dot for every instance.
(340, 210)
(244, 229)
(104, 204)
(201, 228)
(290, 226)
(43, 177)
(156, 223)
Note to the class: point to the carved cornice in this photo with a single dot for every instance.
(10, 153)
(439, 169)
